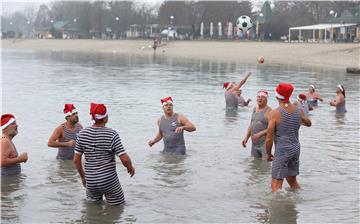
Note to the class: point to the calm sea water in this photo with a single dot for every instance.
(217, 181)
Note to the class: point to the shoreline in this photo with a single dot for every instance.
(333, 55)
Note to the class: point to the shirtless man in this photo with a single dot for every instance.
(10, 160)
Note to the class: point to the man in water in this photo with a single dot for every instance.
(339, 101)
(313, 97)
(171, 129)
(302, 103)
(10, 159)
(64, 136)
(283, 130)
(232, 93)
(258, 126)
(100, 144)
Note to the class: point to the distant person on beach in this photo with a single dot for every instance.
(155, 44)
(283, 130)
(64, 136)
(313, 97)
(232, 93)
(10, 159)
(101, 145)
(302, 103)
(339, 101)
(171, 129)
(258, 126)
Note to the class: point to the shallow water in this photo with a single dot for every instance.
(217, 181)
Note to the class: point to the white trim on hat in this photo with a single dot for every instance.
(262, 93)
(312, 86)
(100, 116)
(279, 96)
(301, 100)
(166, 102)
(339, 86)
(70, 113)
(8, 123)
(228, 87)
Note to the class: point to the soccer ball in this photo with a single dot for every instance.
(244, 23)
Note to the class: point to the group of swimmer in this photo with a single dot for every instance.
(100, 145)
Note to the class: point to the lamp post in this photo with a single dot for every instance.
(334, 14)
(258, 26)
(171, 28)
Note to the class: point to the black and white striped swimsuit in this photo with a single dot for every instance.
(67, 153)
(100, 145)
(287, 145)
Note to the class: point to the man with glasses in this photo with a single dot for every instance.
(64, 136)
(171, 129)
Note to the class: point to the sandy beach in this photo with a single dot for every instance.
(338, 55)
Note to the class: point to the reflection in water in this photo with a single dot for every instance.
(340, 119)
(100, 213)
(231, 115)
(282, 208)
(63, 172)
(11, 197)
(170, 171)
(259, 170)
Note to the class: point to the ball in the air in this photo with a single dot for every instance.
(244, 23)
(261, 59)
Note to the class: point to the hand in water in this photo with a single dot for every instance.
(269, 157)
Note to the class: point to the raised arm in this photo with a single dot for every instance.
(54, 140)
(185, 125)
(158, 136)
(241, 83)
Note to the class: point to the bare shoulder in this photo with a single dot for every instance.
(5, 143)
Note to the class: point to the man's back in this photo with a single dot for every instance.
(99, 145)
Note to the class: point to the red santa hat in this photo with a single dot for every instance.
(166, 100)
(283, 91)
(6, 120)
(302, 97)
(227, 85)
(262, 93)
(69, 109)
(98, 111)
